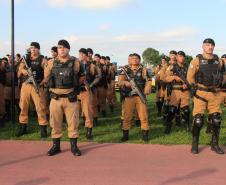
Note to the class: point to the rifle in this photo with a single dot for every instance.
(31, 78)
(184, 80)
(135, 88)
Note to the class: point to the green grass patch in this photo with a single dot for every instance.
(109, 131)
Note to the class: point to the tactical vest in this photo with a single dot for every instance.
(104, 74)
(63, 75)
(2, 76)
(209, 73)
(138, 77)
(8, 76)
(36, 67)
(89, 77)
(182, 70)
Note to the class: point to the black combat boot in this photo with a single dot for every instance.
(74, 148)
(165, 111)
(89, 133)
(137, 123)
(2, 121)
(215, 140)
(159, 108)
(104, 113)
(208, 128)
(22, 130)
(8, 110)
(43, 129)
(145, 137)
(168, 127)
(187, 126)
(55, 149)
(125, 136)
(195, 140)
(178, 121)
(112, 108)
(95, 121)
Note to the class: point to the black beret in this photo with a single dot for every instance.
(5, 59)
(181, 53)
(209, 41)
(54, 48)
(137, 55)
(108, 58)
(103, 57)
(223, 56)
(84, 51)
(164, 57)
(173, 52)
(97, 55)
(35, 44)
(89, 50)
(64, 43)
(18, 55)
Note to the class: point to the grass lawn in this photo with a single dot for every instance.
(108, 130)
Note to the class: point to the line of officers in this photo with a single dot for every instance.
(68, 86)
(203, 83)
(83, 85)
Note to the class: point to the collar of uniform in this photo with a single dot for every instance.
(64, 59)
(207, 57)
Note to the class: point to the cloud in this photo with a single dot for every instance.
(104, 27)
(71, 38)
(175, 34)
(89, 4)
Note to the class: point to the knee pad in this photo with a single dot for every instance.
(171, 113)
(185, 112)
(216, 119)
(161, 99)
(199, 120)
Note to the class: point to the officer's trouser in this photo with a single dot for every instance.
(85, 98)
(102, 95)
(111, 96)
(212, 106)
(94, 103)
(2, 101)
(179, 97)
(28, 92)
(130, 105)
(71, 110)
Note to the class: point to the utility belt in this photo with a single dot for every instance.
(72, 97)
(179, 87)
(206, 89)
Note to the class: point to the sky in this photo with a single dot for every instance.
(115, 27)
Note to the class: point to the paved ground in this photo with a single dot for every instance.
(25, 163)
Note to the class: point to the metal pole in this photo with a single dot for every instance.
(13, 65)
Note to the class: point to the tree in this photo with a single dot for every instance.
(151, 56)
(188, 59)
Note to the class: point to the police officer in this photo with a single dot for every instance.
(63, 75)
(176, 74)
(111, 97)
(36, 62)
(205, 72)
(94, 88)
(167, 91)
(86, 90)
(223, 92)
(2, 101)
(103, 85)
(53, 52)
(132, 101)
(160, 85)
